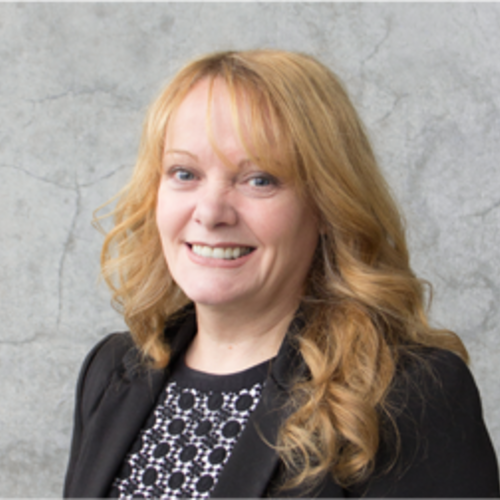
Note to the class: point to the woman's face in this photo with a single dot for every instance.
(232, 234)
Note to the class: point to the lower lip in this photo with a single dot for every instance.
(221, 263)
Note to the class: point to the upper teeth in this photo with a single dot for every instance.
(219, 252)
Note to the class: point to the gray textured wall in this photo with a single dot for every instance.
(74, 84)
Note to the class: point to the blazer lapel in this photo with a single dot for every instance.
(114, 425)
(254, 469)
(254, 462)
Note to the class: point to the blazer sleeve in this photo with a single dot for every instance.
(93, 380)
(444, 449)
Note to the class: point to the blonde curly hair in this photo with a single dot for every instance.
(363, 304)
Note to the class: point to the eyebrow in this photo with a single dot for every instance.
(242, 163)
(180, 152)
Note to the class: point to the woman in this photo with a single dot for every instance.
(278, 341)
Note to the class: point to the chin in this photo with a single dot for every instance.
(213, 303)
(209, 297)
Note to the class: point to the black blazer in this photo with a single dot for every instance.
(445, 448)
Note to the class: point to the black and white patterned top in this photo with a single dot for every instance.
(188, 438)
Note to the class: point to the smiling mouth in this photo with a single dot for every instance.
(224, 253)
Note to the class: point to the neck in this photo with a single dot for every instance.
(229, 341)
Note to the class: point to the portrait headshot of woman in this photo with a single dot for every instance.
(279, 343)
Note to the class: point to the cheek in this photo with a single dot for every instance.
(301, 237)
(162, 214)
(297, 221)
(287, 225)
(170, 217)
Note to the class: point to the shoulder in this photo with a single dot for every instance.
(433, 393)
(117, 360)
(435, 389)
(430, 376)
(110, 350)
(105, 360)
(109, 353)
(434, 442)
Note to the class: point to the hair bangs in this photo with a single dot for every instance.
(258, 123)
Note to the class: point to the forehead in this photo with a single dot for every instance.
(203, 126)
(205, 106)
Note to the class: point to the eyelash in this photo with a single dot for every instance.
(270, 180)
(177, 172)
(185, 175)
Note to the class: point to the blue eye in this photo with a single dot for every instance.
(183, 175)
(262, 181)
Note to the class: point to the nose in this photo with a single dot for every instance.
(215, 207)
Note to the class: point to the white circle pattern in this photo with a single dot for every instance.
(185, 443)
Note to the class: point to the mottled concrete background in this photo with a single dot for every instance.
(74, 84)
